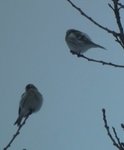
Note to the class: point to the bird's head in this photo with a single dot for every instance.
(77, 35)
(71, 33)
(30, 86)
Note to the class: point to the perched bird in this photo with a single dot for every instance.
(31, 101)
(79, 42)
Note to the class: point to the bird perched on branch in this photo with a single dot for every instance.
(31, 101)
(79, 42)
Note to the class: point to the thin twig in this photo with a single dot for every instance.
(116, 9)
(119, 41)
(98, 61)
(122, 125)
(108, 130)
(110, 6)
(92, 20)
(121, 6)
(118, 20)
(117, 138)
(17, 133)
(118, 36)
(117, 15)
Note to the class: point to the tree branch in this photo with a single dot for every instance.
(118, 36)
(107, 128)
(117, 144)
(98, 61)
(17, 133)
(116, 9)
(92, 20)
(117, 138)
(121, 6)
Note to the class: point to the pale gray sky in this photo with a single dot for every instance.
(33, 50)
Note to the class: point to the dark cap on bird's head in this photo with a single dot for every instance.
(68, 32)
(30, 86)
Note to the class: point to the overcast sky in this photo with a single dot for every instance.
(33, 50)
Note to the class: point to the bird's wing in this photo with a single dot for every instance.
(19, 111)
(83, 37)
(21, 102)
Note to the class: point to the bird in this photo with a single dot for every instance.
(31, 102)
(79, 42)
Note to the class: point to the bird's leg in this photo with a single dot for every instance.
(78, 55)
(72, 52)
(30, 112)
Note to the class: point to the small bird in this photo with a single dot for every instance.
(79, 42)
(31, 101)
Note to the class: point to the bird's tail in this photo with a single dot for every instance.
(99, 46)
(18, 121)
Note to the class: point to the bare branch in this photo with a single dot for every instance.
(108, 130)
(117, 15)
(121, 5)
(116, 9)
(110, 6)
(122, 125)
(98, 61)
(117, 138)
(92, 20)
(118, 36)
(118, 20)
(17, 132)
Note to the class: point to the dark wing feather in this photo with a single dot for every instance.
(83, 37)
(19, 111)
